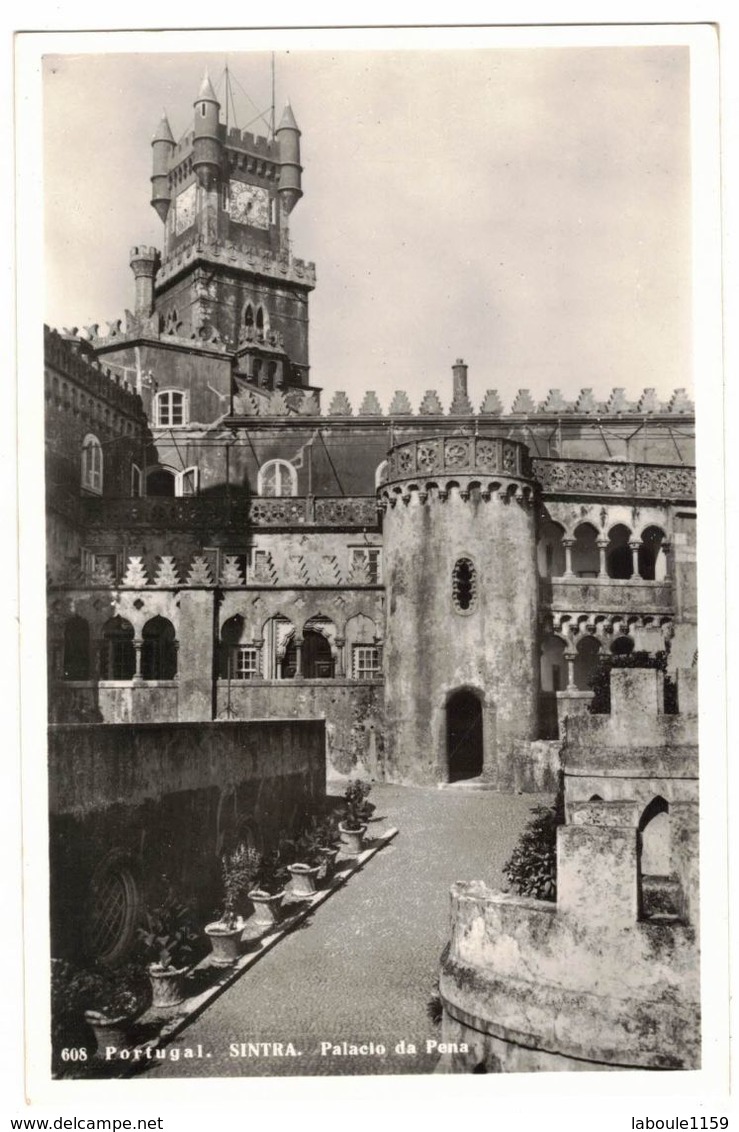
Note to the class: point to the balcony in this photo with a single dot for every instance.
(209, 511)
(606, 595)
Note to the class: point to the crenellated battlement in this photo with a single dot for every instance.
(258, 261)
(67, 357)
(522, 408)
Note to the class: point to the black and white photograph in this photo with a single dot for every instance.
(372, 376)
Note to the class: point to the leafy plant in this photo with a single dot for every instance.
(270, 870)
(531, 870)
(169, 936)
(600, 681)
(239, 870)
(316, 841)
(357, 809)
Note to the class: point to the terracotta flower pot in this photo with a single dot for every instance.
(351, 840)
(108, 1031)
(303, 879)
(267, 906)
(225, 942)
(167, 984)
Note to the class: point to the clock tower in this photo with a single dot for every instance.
(225, 198)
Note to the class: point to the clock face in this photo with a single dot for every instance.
(249, 204)
(185, 206)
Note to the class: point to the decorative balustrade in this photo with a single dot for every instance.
(457, 455)
(591, 477)
(201, 511)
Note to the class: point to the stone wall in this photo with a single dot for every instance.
(145, 800)
(353, 712)
(608, 976)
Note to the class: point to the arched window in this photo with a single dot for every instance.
(277, 477)
(260, 318)
(464, 585)
(170, 408)
(550, 551)
(117, 654)
(622, 646)
(585, 557)
(92, 465)
(159, 650)
(249, 315)
(654, 830)
(651, 560)
(619, 559)
(240, 657)
(76, 656)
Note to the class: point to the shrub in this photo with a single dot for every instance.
(531, 869)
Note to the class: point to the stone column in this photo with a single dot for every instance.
(635, 544)
(138, 646)
(340, 668)
(571, 657)
(602, 544)
(298, 657)
(568, 544)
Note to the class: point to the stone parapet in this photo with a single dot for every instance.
(523, 972)
(453, 456)
(65, 356)
(192, 512)
(593, 477)
(257, 261)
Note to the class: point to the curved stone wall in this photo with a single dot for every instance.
(447, 501)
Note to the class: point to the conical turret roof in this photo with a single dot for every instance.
(206, 89)
(287, 121)
(163, 131)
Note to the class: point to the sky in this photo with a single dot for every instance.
(527, 210)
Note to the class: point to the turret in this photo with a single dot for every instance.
(162, 145)
(144, 262)
(206, 145)
(288, 138)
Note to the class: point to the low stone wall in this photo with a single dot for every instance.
(353, 711)
(525, 988)
(533, 768)
(132, 803)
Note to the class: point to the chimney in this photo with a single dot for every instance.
(460, 401)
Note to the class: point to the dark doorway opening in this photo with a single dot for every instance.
(317, 661)
(464, 735)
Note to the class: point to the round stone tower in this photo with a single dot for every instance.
(461, 669)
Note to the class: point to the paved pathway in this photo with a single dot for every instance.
(363, 968)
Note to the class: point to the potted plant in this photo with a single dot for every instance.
(268, 888)
(357, 813)
(168, 941)
(238, 869)
(114, 999)
(314, 854)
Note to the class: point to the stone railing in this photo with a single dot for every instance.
(591, 477)
(201, 511)
(261, 261)
(457, 455)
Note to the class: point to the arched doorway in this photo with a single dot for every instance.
(464, 735)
